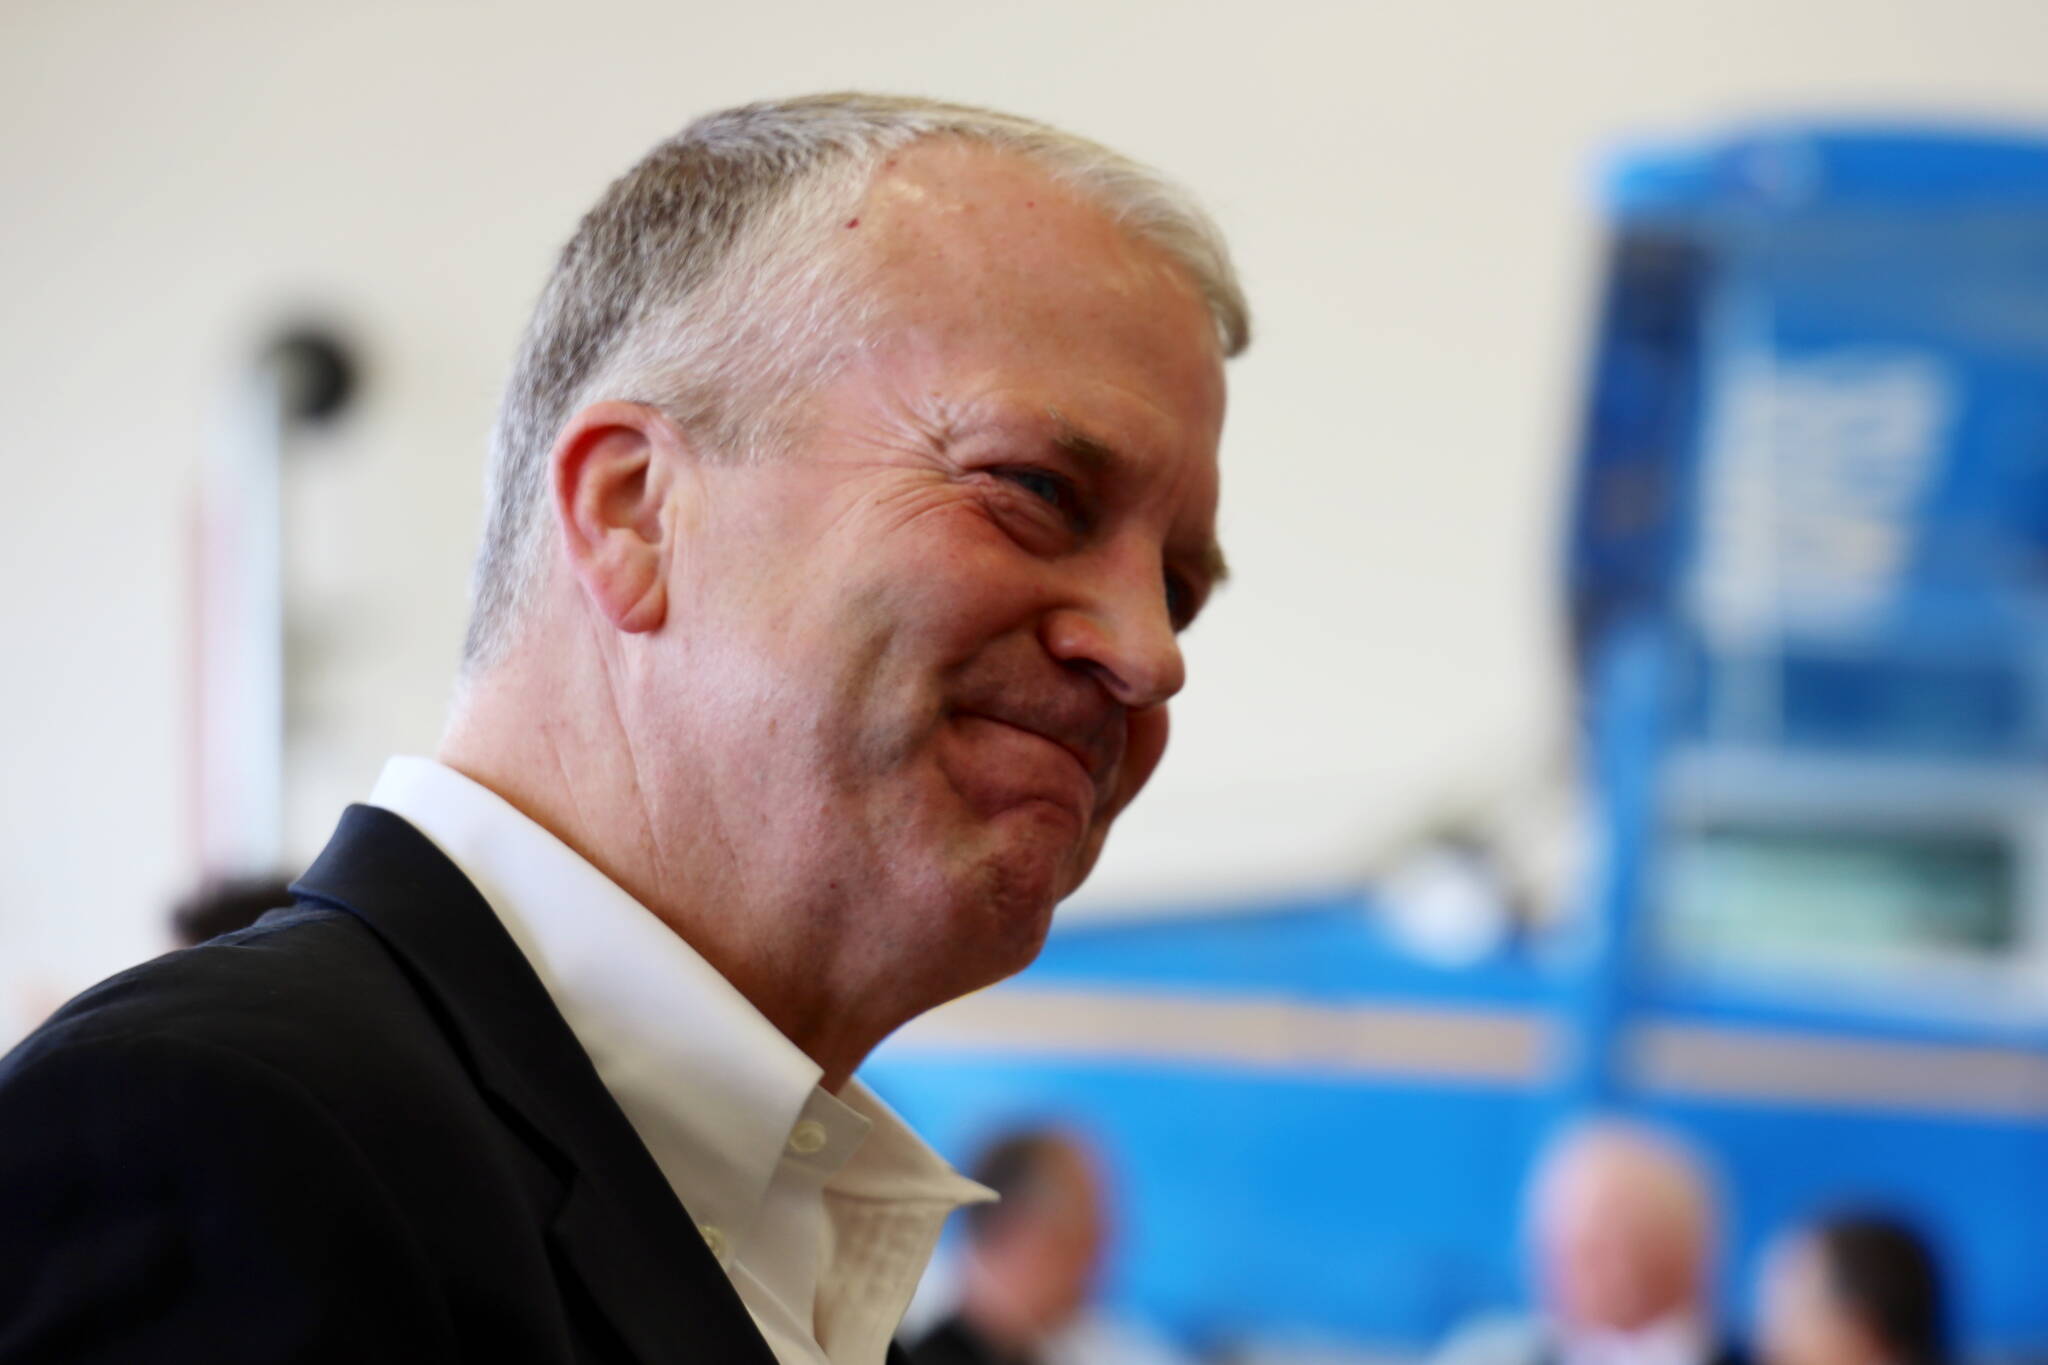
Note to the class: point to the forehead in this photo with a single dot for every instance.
(1604, 1179)
(989, 276)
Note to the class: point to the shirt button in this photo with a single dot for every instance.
(713, 1238)
(807, 1137)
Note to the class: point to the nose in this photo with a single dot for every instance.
(1120, 631)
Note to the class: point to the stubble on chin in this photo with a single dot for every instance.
(1013, 908)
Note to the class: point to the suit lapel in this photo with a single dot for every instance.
(620, 1227)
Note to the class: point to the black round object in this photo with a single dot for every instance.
(318, 372)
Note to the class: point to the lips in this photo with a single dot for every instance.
(1095, 741)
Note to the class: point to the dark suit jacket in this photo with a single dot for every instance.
(358, 1131)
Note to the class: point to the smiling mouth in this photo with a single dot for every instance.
(1096, 773)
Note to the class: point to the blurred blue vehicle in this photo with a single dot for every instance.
(1806, 582)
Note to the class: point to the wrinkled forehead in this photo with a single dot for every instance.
(986, 253)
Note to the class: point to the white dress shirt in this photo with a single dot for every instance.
(1673, 1340)
(823, 1209)
(1676, 1339)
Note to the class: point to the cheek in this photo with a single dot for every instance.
(1144, 747)
(951, 594)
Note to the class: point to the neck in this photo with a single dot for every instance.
(561, 755)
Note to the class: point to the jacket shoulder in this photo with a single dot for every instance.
(310, 991)
(280, 1116)
(308, 1000)
(159, 1184)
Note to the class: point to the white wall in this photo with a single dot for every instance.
(1405, 186)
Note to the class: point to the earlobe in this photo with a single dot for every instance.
(610, 476)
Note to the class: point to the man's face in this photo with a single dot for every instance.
(1047, 1256)
(1800, 1319)
(1618, 1254)
(928, 648)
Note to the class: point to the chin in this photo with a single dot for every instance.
(1000, 877)
(1009, 901)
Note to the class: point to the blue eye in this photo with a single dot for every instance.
(1049, 488)
(1054, 490)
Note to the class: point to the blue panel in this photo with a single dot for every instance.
(1329, 949)
(1251, 1206)
(1255, 1206)
(1782, 168)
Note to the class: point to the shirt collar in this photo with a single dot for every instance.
(709, 1084)
(895, 1165)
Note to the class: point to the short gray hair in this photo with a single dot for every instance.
(706, 282)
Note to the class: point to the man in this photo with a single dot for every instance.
(1853, 1288)
(1622, 1230)
(1031, 1259)
(854, 482)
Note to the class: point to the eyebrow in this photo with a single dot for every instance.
(1099, 457)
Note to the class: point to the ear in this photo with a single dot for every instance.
(610, 473)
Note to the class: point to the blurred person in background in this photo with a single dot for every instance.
(1622, 1232)
(221, 905)
(1032, 1259)
(1855, 1289)
(854, 484)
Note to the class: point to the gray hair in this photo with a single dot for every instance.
(706, 282)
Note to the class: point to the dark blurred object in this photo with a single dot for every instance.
(1032, 1257)
(1622, 1225)
(222, 905)
(1856, 1289)
(315, 369)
